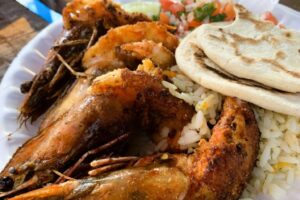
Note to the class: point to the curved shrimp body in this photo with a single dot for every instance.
(103, 54)
(222, 166)
(116, 103)
(121, 47)
(217, 170)
(84, 22)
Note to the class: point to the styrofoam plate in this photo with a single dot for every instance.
(29, 62)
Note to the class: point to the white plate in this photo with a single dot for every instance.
(28, 63)
(23, 68)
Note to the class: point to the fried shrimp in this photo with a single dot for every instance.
(217, 170)
(132, 53)
(103, 54)
(89, 12)
(105, 82)
(116, 103)
(84, 22)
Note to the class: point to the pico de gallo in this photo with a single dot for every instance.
(186, 15)
(189, 14)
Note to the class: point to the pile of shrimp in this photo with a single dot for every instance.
(112, 92)
(85, 21)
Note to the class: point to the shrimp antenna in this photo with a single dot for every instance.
(71, 43)
(62, 175)
(75, 73)
(92, 38)
(39, 54)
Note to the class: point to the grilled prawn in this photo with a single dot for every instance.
(117, 49)
(116, 103)
(217, 170)
(103, 54)
(84, 22)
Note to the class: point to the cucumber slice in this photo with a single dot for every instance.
(149, 8)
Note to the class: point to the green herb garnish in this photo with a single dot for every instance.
(218, 18)
(205, 11)
(155, 17)
(180, 13)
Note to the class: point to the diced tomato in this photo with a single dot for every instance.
(229, 11)
(164, 18)
(270, 17)
(188, 2)
(218, 8)
(194, 24)
(172, 5)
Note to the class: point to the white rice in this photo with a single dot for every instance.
(207, 105)
(278, 163)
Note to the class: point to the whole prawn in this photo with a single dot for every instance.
(116, 103)
(217, 170)
(27, 168)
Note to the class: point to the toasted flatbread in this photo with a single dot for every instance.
(214, 67)
(254, 49)
(193, 65)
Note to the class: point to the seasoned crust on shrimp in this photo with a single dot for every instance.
(133, 53)
(103, 55)
(221, 166)
(89, 12)
(226, 161)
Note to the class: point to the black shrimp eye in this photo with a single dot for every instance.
(6, 183)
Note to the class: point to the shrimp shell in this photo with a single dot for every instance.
(103, 55)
